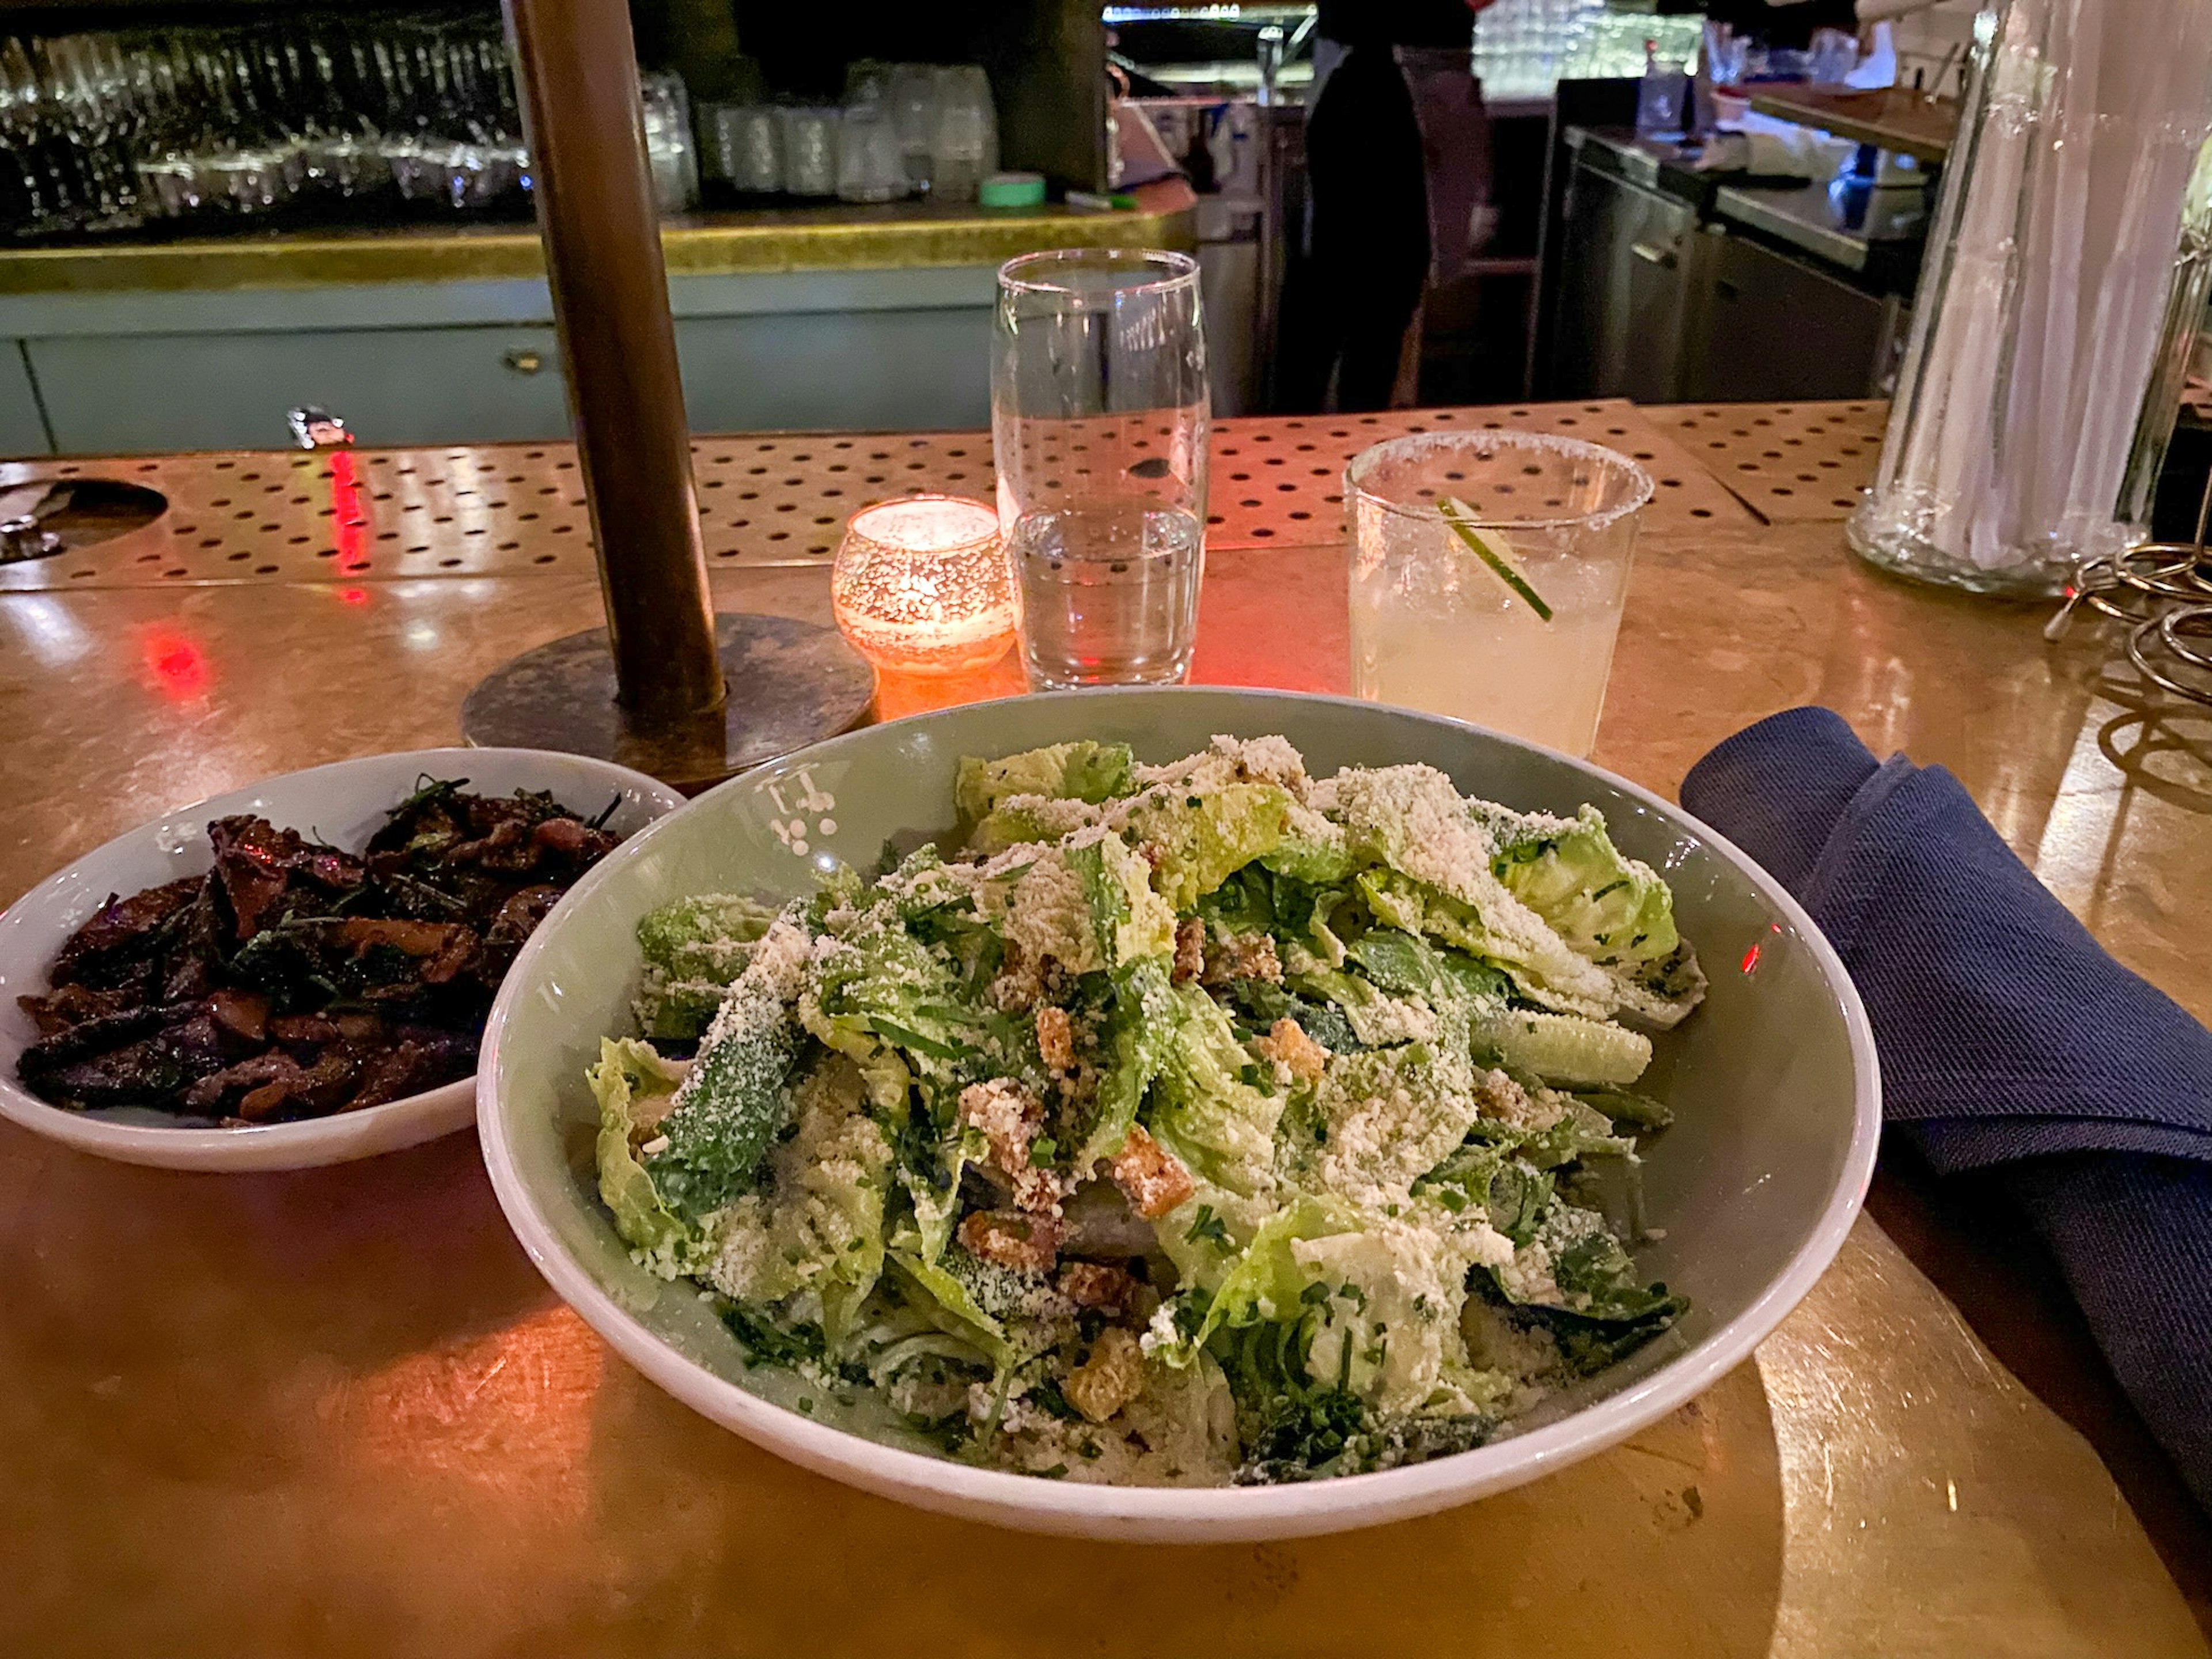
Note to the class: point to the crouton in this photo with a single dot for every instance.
(1189, 950)
(1055, 1036)
(1150, 1176)
(1009, 1115)
(1094, 1285)
(1019, 983)
(1109, 1378)
(1242, 956)
(1293, 1051)
(1027, 1243)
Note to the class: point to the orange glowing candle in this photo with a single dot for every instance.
(920, 586)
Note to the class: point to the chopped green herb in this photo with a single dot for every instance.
(1207, 1226)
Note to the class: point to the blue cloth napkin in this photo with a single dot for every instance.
(2009, 1041)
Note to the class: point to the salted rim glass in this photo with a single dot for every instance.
(1146, 270)
(1619, 485)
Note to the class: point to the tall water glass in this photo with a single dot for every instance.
(1099, 418)
(1488, 570)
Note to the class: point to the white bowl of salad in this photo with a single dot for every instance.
(1180, 1114)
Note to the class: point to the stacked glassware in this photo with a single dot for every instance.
(903, 129)
(115, 130)
(1524, 48)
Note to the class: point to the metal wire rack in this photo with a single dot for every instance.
(2163, 592)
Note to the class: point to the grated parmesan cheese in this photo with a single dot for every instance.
(1055, 815)
(1413, 819)
(759, 998)
(1035, 896)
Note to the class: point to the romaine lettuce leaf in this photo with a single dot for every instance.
(629, 1075)
(1615, 910)
(1385, 1117)
(1267, 1284)
(1213, 1106)
(1135, 1040)
(1484, 1179)
(1133, 923)
(1206, 1106)
(1007, 826)
(1082, 770)
(1389, 1323)
(883, 980)
(1296, 912)
(1541, 965)
(736, 1099)
(707, 936)
(1579, 1132)
(1564, 1050)
(817, 1225)
(1663, 992)
(694, 948)
(956, 1311)
(1312, 850)
(1263, 1002)
(1575, 1263)
(1377, 1019)
(1599, 1280)
(1198, 840)
(1637, 1112)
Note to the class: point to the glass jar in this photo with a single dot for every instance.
(2041, 316)
(920, 586)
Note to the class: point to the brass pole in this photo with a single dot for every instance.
(576, 67)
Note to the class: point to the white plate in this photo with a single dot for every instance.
(1773, 1082)
(342, 804)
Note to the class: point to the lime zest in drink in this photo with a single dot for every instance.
(1494, 550)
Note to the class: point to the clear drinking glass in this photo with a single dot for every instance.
(871, 165)
(912, 99)
(1461, 542)
(756, 151)
(964, 148)
(1099, 418)
(809, 151)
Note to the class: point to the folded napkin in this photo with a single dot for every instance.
(2009, 1041)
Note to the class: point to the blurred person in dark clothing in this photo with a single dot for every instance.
(1397, 160)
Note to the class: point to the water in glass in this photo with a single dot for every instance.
(1099, 420)
(1110, 593)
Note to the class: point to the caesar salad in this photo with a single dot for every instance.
(1193, 1124)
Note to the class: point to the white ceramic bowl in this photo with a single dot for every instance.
(342, 804)
(1773, 1083)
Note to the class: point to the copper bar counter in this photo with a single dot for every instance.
(337, 1412)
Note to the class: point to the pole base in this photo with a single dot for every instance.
(790, 683)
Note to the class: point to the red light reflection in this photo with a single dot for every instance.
(1751, 957)
(353, 596)
(348, 513)
(180, 669)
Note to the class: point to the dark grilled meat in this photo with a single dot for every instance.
(294, 980)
